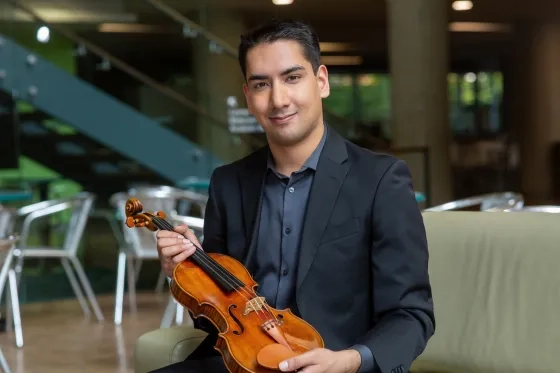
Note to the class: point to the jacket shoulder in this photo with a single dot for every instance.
(364, 158)
(233, 168)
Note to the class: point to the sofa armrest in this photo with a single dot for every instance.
(162, 347)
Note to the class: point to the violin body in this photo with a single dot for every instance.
(241, 337)
(252, 336)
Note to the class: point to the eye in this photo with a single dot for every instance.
(293, 78)
(259, 85)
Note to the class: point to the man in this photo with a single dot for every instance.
(328, 229)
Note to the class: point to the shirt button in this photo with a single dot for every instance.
(285, 272)
(291, 190)
(288, 230)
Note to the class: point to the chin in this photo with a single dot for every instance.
(286, 139)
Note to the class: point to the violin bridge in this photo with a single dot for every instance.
(254, 305)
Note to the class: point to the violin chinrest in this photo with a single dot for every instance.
(270, 356)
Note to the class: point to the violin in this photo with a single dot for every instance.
(253, 337)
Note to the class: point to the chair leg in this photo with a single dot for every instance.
(169, 313)
(119, 294)
(6, 266)
(16, 315)
(161, 282)
(131, 278)
(75, 286)
(87, 287)
(3, 363)
(18, 267)
(137, 268)
(179, 312)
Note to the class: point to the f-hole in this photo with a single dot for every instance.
(242, 329)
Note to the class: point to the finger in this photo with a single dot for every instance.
(173, 250)
(177, 239)
(191, 236)
(306, 359)
(166, 234)
(181, 257)
(170, 241)
(181, 228)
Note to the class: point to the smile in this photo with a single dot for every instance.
(282, 119)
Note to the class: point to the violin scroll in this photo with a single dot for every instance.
(135, 217)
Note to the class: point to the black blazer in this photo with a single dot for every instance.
(363, 270)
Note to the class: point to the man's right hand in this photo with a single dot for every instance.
(173, 248)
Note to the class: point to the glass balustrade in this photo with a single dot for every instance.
(63, 47)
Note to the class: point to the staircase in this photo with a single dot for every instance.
(147, 150)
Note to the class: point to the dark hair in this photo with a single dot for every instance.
(281, 30)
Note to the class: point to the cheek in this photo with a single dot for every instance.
(304, 98)
(259, 105)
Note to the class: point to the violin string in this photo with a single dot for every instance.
(209, 261)
(217, 268)
(198, 255)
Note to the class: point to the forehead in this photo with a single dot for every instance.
(275, 57)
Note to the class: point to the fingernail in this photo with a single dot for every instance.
(186, 242)
(283, 366)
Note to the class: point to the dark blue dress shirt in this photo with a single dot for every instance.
(282, 216)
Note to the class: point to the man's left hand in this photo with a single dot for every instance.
(321, 360)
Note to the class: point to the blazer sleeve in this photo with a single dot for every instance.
(402, 298)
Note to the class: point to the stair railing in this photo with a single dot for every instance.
(127, 68)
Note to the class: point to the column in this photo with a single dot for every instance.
(218, 76)
(418, 60)
(536, 113)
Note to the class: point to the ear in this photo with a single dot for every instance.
(323, 81)
(247, 101)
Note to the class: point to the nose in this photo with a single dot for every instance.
(279, 97)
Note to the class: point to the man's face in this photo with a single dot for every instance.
(283, 93)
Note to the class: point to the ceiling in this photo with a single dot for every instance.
(321, 11)
(359, 22)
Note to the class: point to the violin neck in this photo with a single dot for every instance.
(221, 276)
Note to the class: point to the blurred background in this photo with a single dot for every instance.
(104, 99)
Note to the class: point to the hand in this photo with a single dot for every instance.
(173, 248)
(321, 360)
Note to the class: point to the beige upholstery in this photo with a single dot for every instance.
(162, 347)
(496, 291)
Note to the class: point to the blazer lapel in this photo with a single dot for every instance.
(329, 176)
(252, 183)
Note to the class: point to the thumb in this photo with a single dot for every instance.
(297, 362)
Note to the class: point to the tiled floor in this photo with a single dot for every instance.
(58, 338)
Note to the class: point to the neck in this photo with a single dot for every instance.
(289, 159)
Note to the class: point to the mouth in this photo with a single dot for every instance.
(282, 119)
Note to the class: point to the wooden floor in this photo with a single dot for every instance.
(58, 338)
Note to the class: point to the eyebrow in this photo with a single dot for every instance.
(285, 72)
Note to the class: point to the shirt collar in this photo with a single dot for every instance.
(313, 159)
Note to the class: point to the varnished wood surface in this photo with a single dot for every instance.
(58, 338)
(244, 336)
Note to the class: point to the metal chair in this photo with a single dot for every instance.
(79, 207)
(483, 202)
(174, 309)
(7, 220)
(552, 209)
(7, 273)
(140, 244)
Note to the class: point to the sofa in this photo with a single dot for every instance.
(496, 294)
